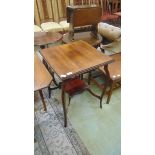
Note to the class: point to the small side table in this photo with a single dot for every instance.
(42, 78)
(42, 39)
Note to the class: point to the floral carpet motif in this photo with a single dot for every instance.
(51, 138)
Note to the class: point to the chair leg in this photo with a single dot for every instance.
(107, 81)
(110, 92)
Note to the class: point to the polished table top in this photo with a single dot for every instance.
(44, 38)
(42, 78)
(74, 58)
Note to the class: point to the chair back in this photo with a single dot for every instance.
(83, 15)
(44, 11)
(49, 10)
(115, 6)
(61, 8)
(106, 6)
(86, 2)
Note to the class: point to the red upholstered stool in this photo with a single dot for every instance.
(74, 86)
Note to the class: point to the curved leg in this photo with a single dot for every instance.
(58, 85)
(106, 83)
(90, 91)
(64, 105)
(110, 91)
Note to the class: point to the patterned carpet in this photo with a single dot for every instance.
(51, 138)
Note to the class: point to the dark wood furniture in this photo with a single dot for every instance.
(85, 36)
(114, 75)
(86, 2)
(110, 7)
(74, 86)
(81, 19)
(73, 59)
(42, 78)
(115, 6)
(45, 38)
(117, 13)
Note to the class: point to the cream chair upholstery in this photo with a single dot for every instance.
(111, 36)
(52, 27)
(110, 32)
(65, 25)
(37, 28)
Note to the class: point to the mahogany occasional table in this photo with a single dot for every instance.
(42, 78)
(70, 60)
(44, 38)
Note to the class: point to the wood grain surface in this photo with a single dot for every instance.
(42, 78)
(74, 58)
(44, 38)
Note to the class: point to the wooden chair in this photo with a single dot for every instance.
(46, 14)
(114, 74)
(62, 15)
(115, 6)
(108, 9)
(37, 28)
(111, 36)
(61, 25)
(116, 9)
(86, 2)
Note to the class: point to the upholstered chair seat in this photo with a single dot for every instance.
(108, 31)
(37, 28)
(111, 37)
(64, 25)
(51, 27)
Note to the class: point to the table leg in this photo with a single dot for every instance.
(42, 98)
(64, 105)
(110, 91)
(107, 78)
(58, 85)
